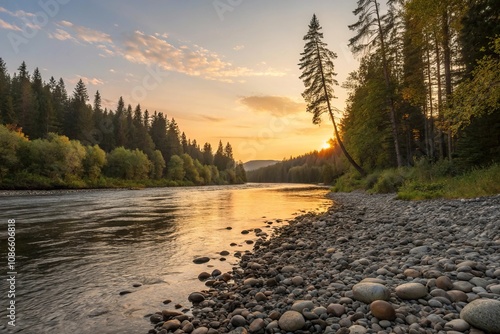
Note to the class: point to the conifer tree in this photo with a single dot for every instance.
(318, 76)
(372, 27)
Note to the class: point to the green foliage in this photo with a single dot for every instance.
(480, 95)
(127, 164)
(138, 145)
(190, 171)
(476, 183)
(175, 168)
(10, 141)
(158, 165)
(348, 182)
(94, 161)
(389, 181)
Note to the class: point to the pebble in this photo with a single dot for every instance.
(200, 260)
(383, 310)
(411, 291)
(368, 292)
(291, 321)
(369, 264)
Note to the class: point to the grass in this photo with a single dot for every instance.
(426, 181)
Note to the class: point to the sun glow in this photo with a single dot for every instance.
(326, 145)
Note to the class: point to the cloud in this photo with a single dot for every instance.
(212, 118)
(238, 47)
(8, 26)
(87, 81)
(25, 17)
(192, 60)
(275, 105)
(19, 13)
(87, 35)
(61, 35)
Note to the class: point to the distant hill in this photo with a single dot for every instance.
(256, 164)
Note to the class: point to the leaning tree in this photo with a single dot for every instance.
(318, 76)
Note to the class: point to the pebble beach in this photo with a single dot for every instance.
(370, 264)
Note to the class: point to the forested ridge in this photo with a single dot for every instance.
(426, 93)
(50, 139)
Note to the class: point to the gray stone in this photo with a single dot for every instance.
(238, 321)
(483, 314)
(291, 321)
(411, 291)
(458, 325)
(300, 305)
(357, 329)
(369, 292)
(420, 250)
(463, 286)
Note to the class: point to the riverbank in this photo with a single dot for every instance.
(434, 262)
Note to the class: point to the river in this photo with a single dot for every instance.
(75, 252)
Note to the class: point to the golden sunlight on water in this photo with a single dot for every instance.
(80, 250)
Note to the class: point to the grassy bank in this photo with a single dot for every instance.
(426, 181)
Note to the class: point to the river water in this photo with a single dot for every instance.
(75, 252)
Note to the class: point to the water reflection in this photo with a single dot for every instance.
(76, 252)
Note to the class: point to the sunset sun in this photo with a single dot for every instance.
(326, 145)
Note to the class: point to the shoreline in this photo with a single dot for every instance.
(433, 262)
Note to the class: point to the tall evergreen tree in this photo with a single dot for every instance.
(174, 146)
(78, 120)
(318, 76)
(23, 100)
(6, 106)
(208, 156)
(119, 124)
(219, 159)
(373, 27)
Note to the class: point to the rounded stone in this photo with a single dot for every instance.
(411, 291)
(257, 325)
(196, 298)
(444, 282)
(172, 325)
(297, 280)
(483, 314)
(291, 321)
(457, 296)
(300, 305)
(357, 329)
(412, 273)
(260, 297)
(369, 292)
(203, 276)
(238, 321)
(200, 330)
(458, 325)
(495, 289)
(383, 310)
(336, 309)
(463, 286)
(200, 260)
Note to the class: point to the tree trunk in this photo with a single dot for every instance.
(440, 99)
(390, 100)
(339, 141)
(431, 105)
(447, 69)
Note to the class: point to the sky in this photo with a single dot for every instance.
(224, 69)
